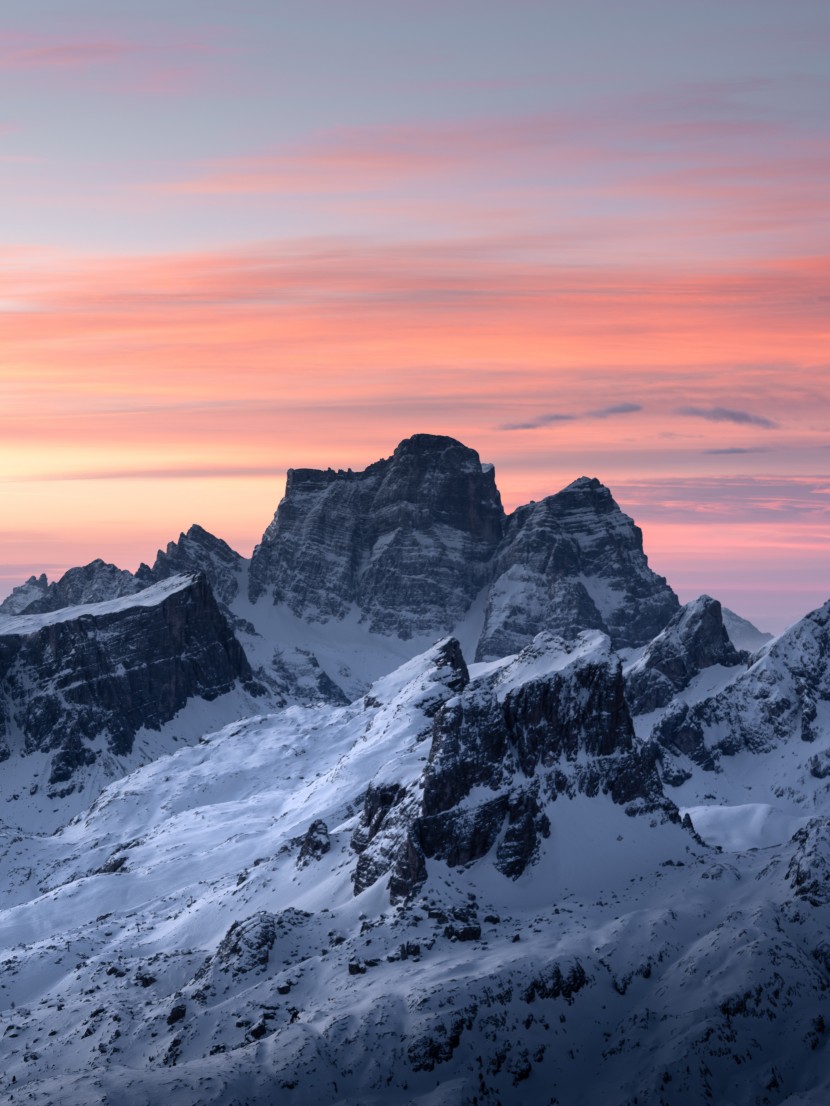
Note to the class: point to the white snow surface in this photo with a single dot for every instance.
(747, 826)
(166, 946)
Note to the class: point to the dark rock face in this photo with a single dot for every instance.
(809, 870)
(384, 839)
(198, 551)
(315, 844)
(573, 562)
(559, 716)
(516, 740)
(408, 540)
(92, 583)
(774, 700)
(110, 669)
(413, 539)
(694, 639)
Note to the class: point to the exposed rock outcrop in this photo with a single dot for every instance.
(809, 870)
(569, 563)
(92, 583)
(99, 673)
(694, 639)
(25, 594)
(552, 722)
(776, 699)
(199, 551)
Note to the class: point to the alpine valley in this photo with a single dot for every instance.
(422, 804)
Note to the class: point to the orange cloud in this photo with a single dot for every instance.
(145, 393)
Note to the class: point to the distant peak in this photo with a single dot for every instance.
(586, 483)
(425, 444)
(702, 601)
(199, 533)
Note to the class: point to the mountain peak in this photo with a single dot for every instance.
(586, 483)
(437, 449)
(407, 541)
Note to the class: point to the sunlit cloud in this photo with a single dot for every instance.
(740, 499)
(180, 472)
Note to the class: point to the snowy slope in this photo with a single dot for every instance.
(187, 941)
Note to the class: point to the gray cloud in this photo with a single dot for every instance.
(734, 449)
(540, 420)
(727, 414)
(600, 413)
(615, 409)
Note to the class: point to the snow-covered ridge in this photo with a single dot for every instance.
(148, 597)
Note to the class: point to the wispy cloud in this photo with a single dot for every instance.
(547, 419)
(539, 421)
(614, 409)
(738, 499)
(728, 414)
(734, 449)
(25, 53)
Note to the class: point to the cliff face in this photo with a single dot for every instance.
(198, 551)
(572, 562)
(782, 696)
(552, 723)
(696, 638)
(412, 540)
(79, 681)
(408, 541)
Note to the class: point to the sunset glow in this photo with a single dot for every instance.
(578, 252)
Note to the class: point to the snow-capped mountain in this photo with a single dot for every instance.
(92, 583)
(424, 805)
(81, 686)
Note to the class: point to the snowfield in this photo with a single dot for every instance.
(170, 944)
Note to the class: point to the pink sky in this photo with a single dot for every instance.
(579, 246)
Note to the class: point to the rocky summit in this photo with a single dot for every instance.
(411, 542)
(422, 805)
(408, 541)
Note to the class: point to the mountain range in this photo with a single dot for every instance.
(422, 803)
